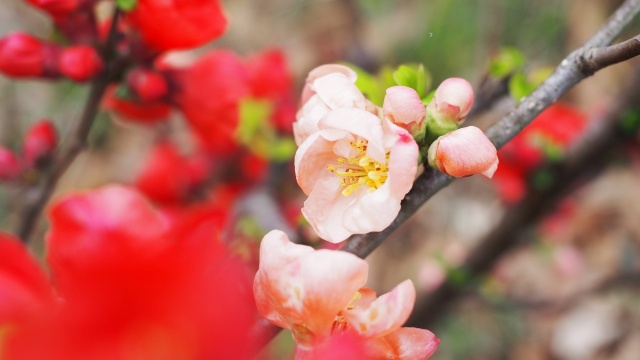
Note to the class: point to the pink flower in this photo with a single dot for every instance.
(452, 101)
(355, 169)
(402, 105)
(464, 152)
(328, 87)
(318, 294)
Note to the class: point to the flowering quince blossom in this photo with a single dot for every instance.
(464, 152)
(131, 285)
(355, 169)
(328, 87)
(318, 295)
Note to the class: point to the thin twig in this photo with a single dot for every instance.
(38, 196)
(570, 71)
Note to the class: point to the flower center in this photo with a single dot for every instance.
(359, 170)
(340, 324)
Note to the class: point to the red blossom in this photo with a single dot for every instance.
(210, 91)
(57, 8)
(137, 286)
(178, 24)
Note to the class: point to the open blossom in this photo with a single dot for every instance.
(464, 152)
(318, 295)
(328, 87)
(355, 169)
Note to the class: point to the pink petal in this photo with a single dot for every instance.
(337, 91)
(311, 160)
(325, 210)
(323, 70)
(359, 123)
(403, 344)
(385, 314)
(464, 152)
(307, 118)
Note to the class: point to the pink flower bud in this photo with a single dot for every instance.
(79, 63)
(39, 143)
(464, 152)
(9, 164)
(21, 55)
(402, 105)
(148, 85)
(452, 101)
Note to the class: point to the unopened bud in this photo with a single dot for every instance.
(149, 86)
(79, 63)
(9, 164)
(450, 105)
(402, 105)
(40, 143)
(21, 55)
(464, 152)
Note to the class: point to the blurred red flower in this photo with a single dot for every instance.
(134, 286)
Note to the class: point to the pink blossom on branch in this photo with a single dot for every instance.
(328, 87)
(318, 295)
(464, 152)
(355, 169)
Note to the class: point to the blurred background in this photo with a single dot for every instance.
(567, 284)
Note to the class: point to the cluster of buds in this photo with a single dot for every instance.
(38, 147)
(456, 152)
(22, 55)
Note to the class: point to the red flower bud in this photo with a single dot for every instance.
(178, 24)
(9, 164)
(21, 55)
(79, 63)
(39, 143)
(148, 85)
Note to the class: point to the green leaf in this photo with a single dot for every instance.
(127, 5)
(508, 61)
(519, 87)
(253, 116)
(282, 150)
(406, 76)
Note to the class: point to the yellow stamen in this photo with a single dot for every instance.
(359, 170)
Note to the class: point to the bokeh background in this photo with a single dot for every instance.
(567, 290)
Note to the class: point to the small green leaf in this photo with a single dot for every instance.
(406, 76)
(253, 116)
(508, 61)
(127, 5)
(282, 150)
(519, 87)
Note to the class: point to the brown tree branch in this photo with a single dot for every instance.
(37, 196)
